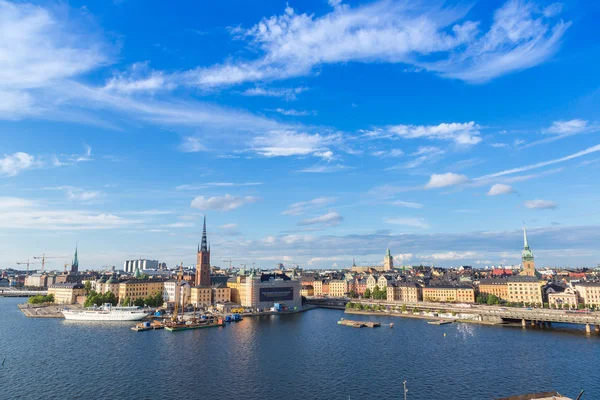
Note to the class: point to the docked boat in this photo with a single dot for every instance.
(147, 326)
(106, 313)
(184, 326)
(439, 322)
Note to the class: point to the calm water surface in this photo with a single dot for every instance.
(302, 356)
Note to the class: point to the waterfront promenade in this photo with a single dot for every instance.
(485, 313)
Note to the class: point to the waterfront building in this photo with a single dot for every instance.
(200, 296)
(338, 288)
(140, 288)
(589, 292)
(264, 290)
(569, 297)
(359, 286)
(203, 261)
(405, 292)
(130, 266)
(525, 289)
(37, 280)
(169, 289)
(388, 261)
(497, 287)
(527, 258)
(220, 294)
(4, 282)
(66, 293)
(458, 294)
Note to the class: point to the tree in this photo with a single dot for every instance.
(87, 286)
(126, 302)
(481, 298)
(357, 306)
(39, 299)
(492, 300)
(139, 302)
(349, 304)
(546, 305)
(403, 308)
(368, 293)
(580, 306)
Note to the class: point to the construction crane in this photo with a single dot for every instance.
(27, 263)
(229, 260)
(44, 257)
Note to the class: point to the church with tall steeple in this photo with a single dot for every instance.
(527, 258)
(75, 263)
(388, 261)
(203, 261)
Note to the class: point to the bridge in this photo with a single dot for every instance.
(493, 314)
(21, 293)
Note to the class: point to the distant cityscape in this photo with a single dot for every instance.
(206, 286)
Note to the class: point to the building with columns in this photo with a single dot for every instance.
(203, 261)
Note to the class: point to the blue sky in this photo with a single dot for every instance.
(308, 132)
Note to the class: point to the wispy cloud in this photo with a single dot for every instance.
(407, 221)
(541, 204)
(330, 219)
(216, 184)
(222, 203)
(13, 164)
(294, 113)
(310, 205)
(289, 94)
(325, 168)
(406, 204)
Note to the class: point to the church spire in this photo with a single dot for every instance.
(204, 245)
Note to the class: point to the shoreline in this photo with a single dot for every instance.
(425, 317)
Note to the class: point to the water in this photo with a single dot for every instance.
(301, 356)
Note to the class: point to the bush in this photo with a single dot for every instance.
(39, 299)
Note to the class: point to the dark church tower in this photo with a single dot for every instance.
(203, 261)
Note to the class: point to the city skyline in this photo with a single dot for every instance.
(309, 133)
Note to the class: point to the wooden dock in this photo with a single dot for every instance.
(359, 324)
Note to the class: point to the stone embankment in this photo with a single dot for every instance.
(43, 310)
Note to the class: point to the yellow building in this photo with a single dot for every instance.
(234, 285)
(134, 289)
(589, 292)
(338, 288)
(221, 294)
(559, 299)
(201, 296)
(405, 292)
(459, 294)
(524, 289)
(371, 282)
(66, 293)
(497, 287)
(318, 287)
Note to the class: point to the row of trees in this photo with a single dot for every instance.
(97, 299)
(39, 299)
(377, 307)
(488, 299)
(151, 301)
(376, 294)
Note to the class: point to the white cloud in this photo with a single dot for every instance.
(311, 205)
(541, 204)
(450, 256)
(324, 169)
(82, 195)
(388, 153)
(406, 204)
(179, 225)
(139, 78)
(216, 184)
(444, 180)
(290, 143)
(222, 203)
(294, 113)
(288, 94)
(407, 221)
(15, 203)
(587, 151)
(192, 145)
(424, 154)
(461, 133)
(521, 36)
(228, 226)
(402, 257)
(13, 164)
(330, 219)
(500, 188)
(568, 127)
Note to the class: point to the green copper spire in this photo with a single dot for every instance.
(388, 253)
(527, 254)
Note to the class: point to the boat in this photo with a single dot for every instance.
(440, 322)
(359, 324)
(147, 326)
(106, 313)
(184, 326)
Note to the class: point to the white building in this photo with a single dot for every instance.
(185, 292)
(143, 264)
